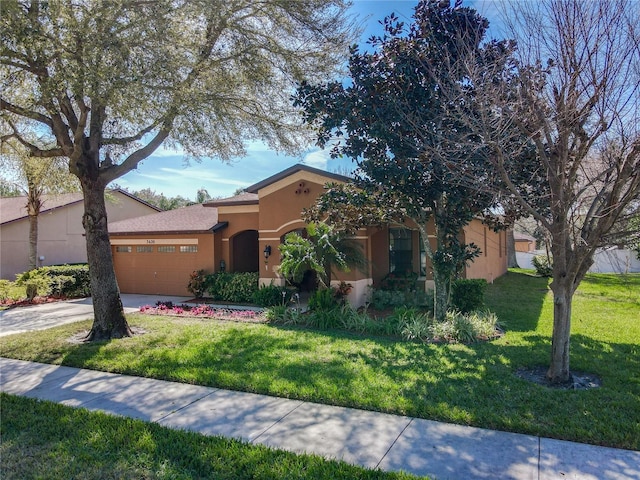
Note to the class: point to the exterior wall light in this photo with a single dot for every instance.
(223, 265)
(267, 251)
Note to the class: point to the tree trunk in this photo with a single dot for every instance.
(441, 282)
(558, 372)
(33, 241)
(512, 260)
(109, 320)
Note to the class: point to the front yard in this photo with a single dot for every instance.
(474, 384)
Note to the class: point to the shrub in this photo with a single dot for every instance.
(543, 265)
(196, 285)
(271, 295)
(35, 283)
(465, 328)
(282, 315)
(468, 295)
(383, 299)
(403, 281)
(5, 288)
(341, 291)
(416, 327)
(232, 287)
(322, 299)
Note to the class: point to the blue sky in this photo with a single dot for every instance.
(166, 172)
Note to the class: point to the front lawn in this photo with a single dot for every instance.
(467, 384)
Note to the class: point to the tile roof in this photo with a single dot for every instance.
(290, 171)
(242, 199)
(192, 219)
(15, 208)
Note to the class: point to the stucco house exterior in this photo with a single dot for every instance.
(156, 254)
(60, 231)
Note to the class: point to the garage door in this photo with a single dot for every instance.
(155, 269)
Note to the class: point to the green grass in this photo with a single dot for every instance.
(466, 384)
(44, 440)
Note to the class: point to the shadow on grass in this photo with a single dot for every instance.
(517, 298)
(466, 384)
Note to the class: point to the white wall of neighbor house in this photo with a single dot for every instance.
(606, 260)
(60, 235)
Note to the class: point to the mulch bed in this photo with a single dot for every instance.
(27, 303)
(579, 381)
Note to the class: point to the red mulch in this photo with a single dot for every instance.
(26, 303)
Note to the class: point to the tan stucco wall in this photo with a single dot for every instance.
(492, 262)
(60, 235)
(525, 245)
(161, 273)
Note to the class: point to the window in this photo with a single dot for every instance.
(400, 251)
(123, 249)
(144, 249)
(188, 248)
(166, 248)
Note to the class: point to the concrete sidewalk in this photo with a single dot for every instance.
(374, 440)
(47, 315)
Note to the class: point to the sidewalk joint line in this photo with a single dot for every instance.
(394, 442)
(279, 419)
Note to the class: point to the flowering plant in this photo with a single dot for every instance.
(205, 311)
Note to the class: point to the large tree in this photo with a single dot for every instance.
(112, 80)
(389, 116)
(570, 93)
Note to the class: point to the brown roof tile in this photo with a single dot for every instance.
(192, 219)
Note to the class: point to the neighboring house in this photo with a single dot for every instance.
(156, 254)
(60, 231)
(524, 242)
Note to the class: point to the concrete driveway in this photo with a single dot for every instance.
(40, 317)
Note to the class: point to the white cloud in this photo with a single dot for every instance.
(317, 158)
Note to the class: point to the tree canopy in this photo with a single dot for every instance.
(567, 93)
(390, 117)
(109, 81)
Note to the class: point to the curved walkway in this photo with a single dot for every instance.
(373, 440)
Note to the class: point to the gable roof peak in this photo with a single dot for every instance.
(294, 169)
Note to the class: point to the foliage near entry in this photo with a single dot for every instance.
(232, 287)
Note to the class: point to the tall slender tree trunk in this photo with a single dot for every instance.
(558, 372)
(109, 320)
(34, 203)
(512, 260)
(33, 241)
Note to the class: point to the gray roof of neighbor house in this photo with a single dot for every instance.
(192, 219)
(15, 208)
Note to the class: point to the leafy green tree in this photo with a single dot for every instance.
(110, 81)
(389, 118)
(34, 178)
(322, 250)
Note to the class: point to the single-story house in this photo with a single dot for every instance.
(524, 242)
(156, 254)
(60, 232)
